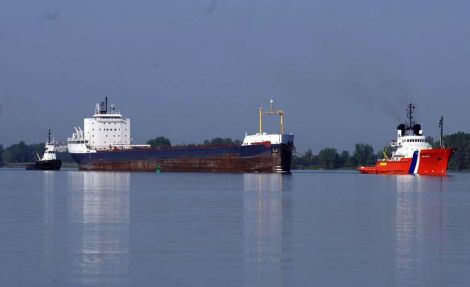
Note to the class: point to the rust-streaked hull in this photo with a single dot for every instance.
(253, 158)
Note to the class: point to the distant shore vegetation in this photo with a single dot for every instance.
(327, 158)
(27, 153)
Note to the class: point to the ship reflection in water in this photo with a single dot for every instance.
(73, 228)
(266, 216)
(98, 216)
(420, 229)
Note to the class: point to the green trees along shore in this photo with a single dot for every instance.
(26, 153)
(327, 158)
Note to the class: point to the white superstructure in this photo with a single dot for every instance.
(51, 149)
(263, 137)
(410, 138)
(107, 129)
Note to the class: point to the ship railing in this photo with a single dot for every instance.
(116, 147)
(76, 141)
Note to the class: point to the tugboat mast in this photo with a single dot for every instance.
(49, 137)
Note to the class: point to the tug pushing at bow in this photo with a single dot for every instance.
(411, 153)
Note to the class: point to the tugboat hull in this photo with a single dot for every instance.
(425, 162)
(54, 164)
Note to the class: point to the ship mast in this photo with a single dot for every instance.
(271, 112)
(409, 114)
(49, 137)
(441, 126)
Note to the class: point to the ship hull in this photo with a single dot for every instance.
(252, 158)
(53, 164)
(424, 162)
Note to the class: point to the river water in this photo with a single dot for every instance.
(72, 228)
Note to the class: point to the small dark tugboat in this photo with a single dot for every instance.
(49, 160)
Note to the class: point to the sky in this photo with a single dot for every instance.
(343, 71)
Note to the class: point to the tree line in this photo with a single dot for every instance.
(26, 153)
(327, 158)
(461, 142)
(330, 158)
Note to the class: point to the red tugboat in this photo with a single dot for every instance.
(412, 154)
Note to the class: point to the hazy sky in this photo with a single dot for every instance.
(343, 71)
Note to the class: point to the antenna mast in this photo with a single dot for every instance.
(441, 126)
(409, 114)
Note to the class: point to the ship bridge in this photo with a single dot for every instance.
(107, 128)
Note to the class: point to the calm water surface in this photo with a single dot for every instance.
(72, 228)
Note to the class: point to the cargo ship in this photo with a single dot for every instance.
(411, 154)
(105, 144)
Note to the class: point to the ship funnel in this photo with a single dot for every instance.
(417, 130)
(104, 106)
(401, 130)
